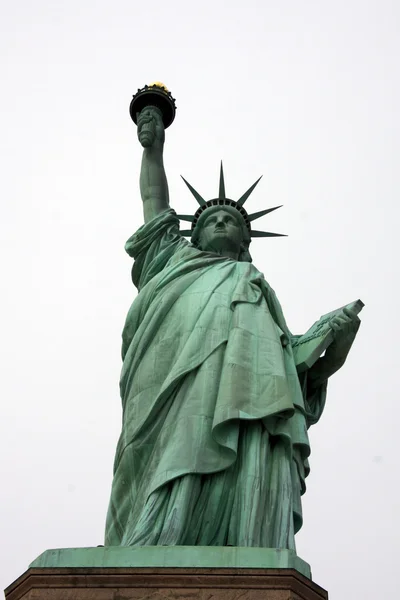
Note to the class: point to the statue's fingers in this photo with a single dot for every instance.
(339, 320)
(334, 325)
(352, 315)
(345, 318)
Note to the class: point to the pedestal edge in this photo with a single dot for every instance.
(164, 578)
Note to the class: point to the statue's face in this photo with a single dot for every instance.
(221, 231)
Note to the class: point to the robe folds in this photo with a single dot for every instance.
(214, 446)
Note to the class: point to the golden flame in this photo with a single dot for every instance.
(159, 85)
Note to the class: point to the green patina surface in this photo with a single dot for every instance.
(172, 556)
(214, 445)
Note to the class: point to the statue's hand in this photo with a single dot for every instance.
(345, 327)
(150, 128)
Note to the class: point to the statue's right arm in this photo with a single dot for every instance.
(153, 184)
(153, 181)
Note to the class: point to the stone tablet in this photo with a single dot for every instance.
(309, 347)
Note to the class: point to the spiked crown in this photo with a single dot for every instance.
(222, 200)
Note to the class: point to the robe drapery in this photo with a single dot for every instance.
(214, 446)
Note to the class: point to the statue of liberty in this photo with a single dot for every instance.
(214, 447)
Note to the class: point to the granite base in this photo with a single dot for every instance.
(166, 573)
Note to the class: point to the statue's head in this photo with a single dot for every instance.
(223, 225)
(222, 230)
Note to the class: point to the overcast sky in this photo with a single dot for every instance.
(304, 92)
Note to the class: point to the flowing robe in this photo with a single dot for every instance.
(214, 446)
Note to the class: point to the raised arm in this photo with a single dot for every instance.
(153, 181)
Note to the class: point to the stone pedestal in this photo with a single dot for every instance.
(106, 582)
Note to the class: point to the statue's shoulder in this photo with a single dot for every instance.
(162, 229)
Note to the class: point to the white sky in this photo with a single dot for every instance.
(304, 92)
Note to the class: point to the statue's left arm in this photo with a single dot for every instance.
(345, 327)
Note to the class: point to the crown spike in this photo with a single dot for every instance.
(261, 213)
(186, 232)
(189, 218)
(260, 234)
(196, 194)
(243, 198)
(221, 193)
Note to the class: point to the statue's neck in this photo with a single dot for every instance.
(231, 252)
(225, 253)
(233, 255)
